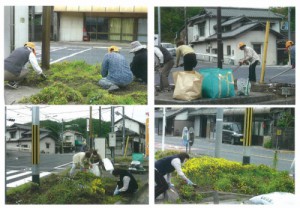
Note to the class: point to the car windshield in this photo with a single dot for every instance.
(236, 127)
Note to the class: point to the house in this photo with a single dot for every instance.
(238, 25)
(18, 137)
(101, 23)
(134, 131)
(72, 141)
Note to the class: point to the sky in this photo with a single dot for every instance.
(22, 114)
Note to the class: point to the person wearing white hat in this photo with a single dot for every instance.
(115, 70)
(15, 69)
(139, 62)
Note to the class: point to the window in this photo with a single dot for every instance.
(67, 138)
(201, 29)
(12, 135)
(257, 48)
(47, 145)
(228, 50)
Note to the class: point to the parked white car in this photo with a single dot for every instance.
(170, 47)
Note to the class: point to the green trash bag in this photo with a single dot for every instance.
(217, 83)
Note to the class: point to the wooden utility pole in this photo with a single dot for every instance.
(46, 37)
(219, 39)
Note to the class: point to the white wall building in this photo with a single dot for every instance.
(238, 25)
(18, 138)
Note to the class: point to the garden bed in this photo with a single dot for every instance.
(77, 83)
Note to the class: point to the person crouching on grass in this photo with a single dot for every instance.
(115, 70)
(166, 166)
(127, 182)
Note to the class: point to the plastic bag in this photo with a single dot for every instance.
(188, 85)
(95, 169)
(243, 86)
(217, 83)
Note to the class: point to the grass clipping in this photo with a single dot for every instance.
(76, 83)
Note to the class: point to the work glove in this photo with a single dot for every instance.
(189, 182)
(171, 185)
(116, 192)
(43, 76)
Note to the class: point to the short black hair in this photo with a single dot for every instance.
(87, 154)
(118, 171)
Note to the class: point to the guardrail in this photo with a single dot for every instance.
(214, 58)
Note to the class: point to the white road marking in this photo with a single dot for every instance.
(25, 180)
(18, 175)
(11, 172)
(60, 167)
(74, 54)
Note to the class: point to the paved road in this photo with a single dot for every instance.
(91, 53)
(258, 155)
(18, 166)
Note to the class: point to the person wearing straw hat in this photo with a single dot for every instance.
(139, 62)
(15, 65)
(115, 70)
(251, 57)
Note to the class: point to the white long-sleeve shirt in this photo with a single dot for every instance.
(126, 180)
(159, 55)
(34, 63)
(176, 163)
(79, 158)
(250, 55)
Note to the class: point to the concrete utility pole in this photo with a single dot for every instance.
(35, 142)
(62, 136)
(163, 130)
(289, 21)
(46, 37)
(91, 128)
(123, 139)
(158, 26)
(99, 122)
(219, 39)
(247, 135)
(219, 127)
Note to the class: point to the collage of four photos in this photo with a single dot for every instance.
(149, 105)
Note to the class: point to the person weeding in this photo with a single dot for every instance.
(115, 70)
(81, 159)
(188, 54)
(15, 65)
(249, 56)
(139, 66)
(166, 166)
(289, 45)
(96, 159)
(127, 182)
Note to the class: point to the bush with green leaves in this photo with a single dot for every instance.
(83, 188)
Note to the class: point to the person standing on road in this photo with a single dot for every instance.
(166, 166)
(165, 65)
(15, 65)
(188, 54)
(139, 64)
(115, 70)
(81, 159)
(289, 45)
(251, 57)
(126, 184)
